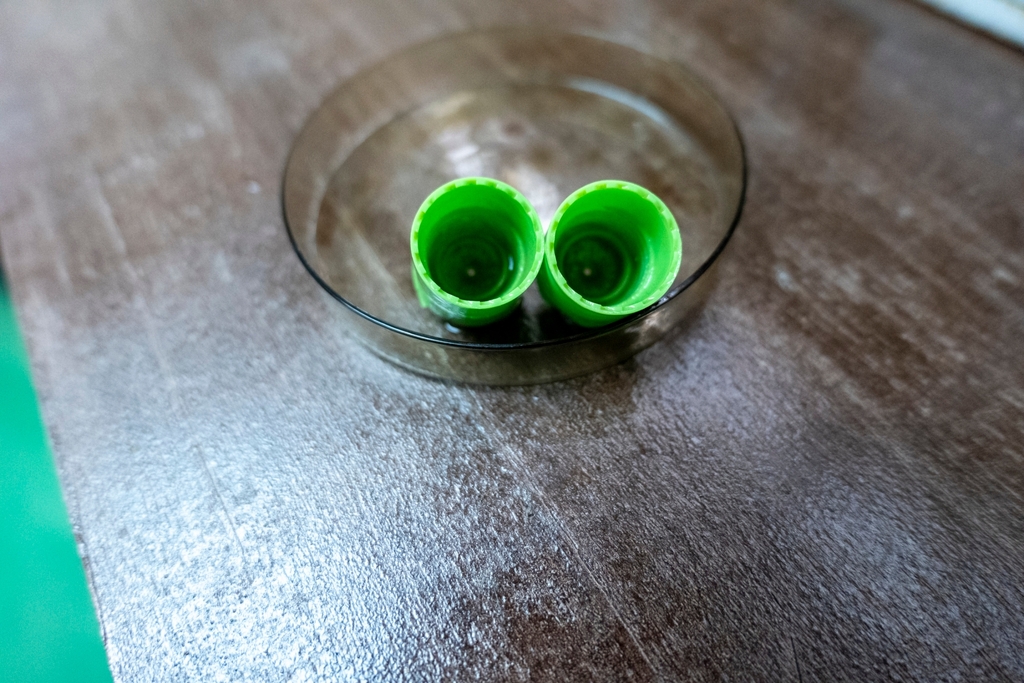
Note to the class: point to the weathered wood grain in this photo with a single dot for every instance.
(820, 479)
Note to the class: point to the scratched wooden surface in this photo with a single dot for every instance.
(820, 479)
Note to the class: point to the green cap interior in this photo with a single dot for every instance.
(476, 246)
(613, 249)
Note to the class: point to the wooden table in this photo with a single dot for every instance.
(822, 478)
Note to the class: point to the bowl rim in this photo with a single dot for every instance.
(585, 333)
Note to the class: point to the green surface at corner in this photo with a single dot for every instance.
(48, 630)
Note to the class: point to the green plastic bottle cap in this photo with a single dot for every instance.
(613, 249)
(477, 244)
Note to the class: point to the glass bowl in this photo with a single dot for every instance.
(544, 112)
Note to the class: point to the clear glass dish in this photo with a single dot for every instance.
(546, 113)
